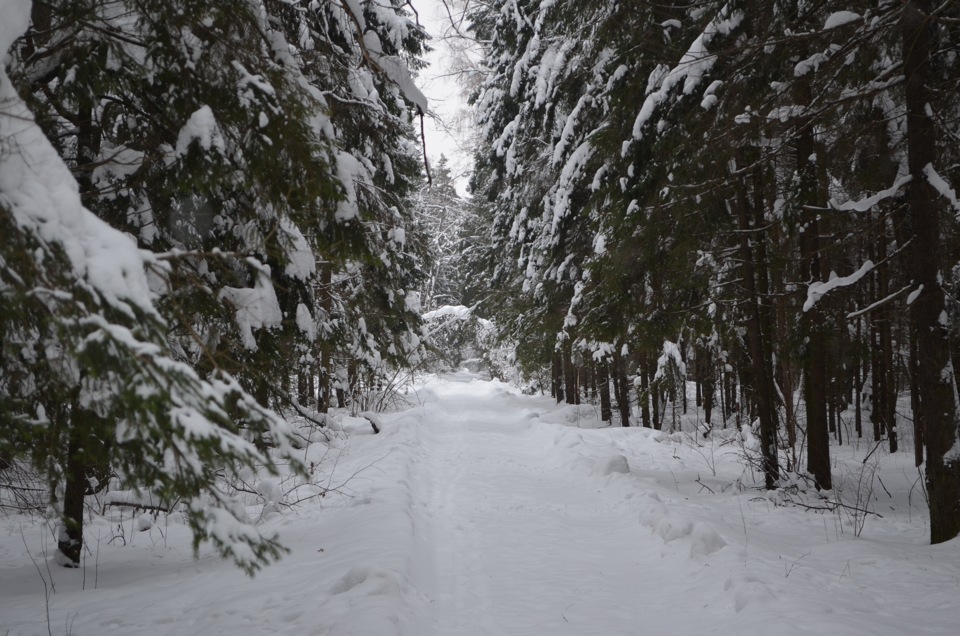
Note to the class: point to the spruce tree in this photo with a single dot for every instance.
(240, 146)
(87, 373)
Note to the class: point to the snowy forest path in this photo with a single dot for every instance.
(522, 545)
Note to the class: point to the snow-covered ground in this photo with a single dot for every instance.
(480, 511)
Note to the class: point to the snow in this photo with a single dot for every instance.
(912, 296)
(570, 125)
(480, 510)
(16, 17)
(412, 302)
(709, 96)
(867, 203)
(119, 162)
(202, 127)
(564, 189)
(349, 172)
(396, 70)
(256, 307)
(812, 63)
(691, 69)
(818, 290)
(457, 312)
(302, 263)
(305, 322)
(44, 199)
(940, 185)
(600, 243)
(670, 357)
(392, 66)
(840, 18)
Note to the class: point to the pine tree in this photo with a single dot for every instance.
(240, 145)
(86, 371)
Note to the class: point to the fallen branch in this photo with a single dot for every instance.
(320, 423)
(374, 420)
(833, 505)
(135, 506)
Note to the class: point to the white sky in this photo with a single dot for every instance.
(446, 131)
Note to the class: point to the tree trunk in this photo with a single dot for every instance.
(623, 391)
(87, 457)
(603, 382)
(761, 370)
(569, 373)
(557, 377)
(643, 393)
(698, 389)
(918, 436)
(353, 380)
(812, 321)
(707, 384)
(70, 537)
(888, 399)
(935, 384)
(858, 384)
(590, 371)
(326, 363)
(303, 385)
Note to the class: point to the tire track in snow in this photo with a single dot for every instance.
(459, 576)
(524, 544)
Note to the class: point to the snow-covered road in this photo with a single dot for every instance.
(524, 544)
(479, 511)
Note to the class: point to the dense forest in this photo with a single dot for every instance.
(251, 169)
(755, 196)
(219, 216)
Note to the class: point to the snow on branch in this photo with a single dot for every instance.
(201, 127)
(867, 203)
(940, 185)
(256, 307)
(390, 66)
(818, 290)
(570, 124)
(879, 303)
(41, 196)
(840, 18)
(670, 362)
(455, 312)
(564, 189)
(693, 65)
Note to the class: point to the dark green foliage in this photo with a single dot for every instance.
(694, 173)
(262, 155)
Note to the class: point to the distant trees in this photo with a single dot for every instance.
(769, 185)
(261, 157)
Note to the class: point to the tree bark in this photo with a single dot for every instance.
(761, 371)
(603, 382)
(623, 391)
(936, 379)
(70, 537)
(325, 371)
(707, 384)
(888, 398)
(557, 377)
(812, 321)
(643, 393)
(569, 374)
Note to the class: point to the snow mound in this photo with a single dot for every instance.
(359, 425)
(747, 589)
(616, 465)
(367, 581)
(377, 621)
(701, 537)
